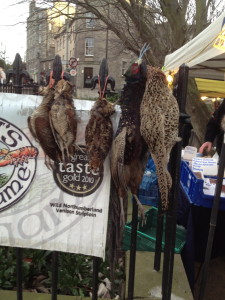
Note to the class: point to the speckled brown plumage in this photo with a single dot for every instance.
(99, 133)
(63, 119)
(159, 126)
(40, 128)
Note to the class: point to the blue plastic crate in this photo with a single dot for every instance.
(193, 188)
(148, 189)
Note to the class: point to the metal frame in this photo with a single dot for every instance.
(180, 93)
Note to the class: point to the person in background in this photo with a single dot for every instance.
(2, 76)
(186, 132)
(214, 131)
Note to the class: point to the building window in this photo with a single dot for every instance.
(90, 21)
(89, 47)
(63, 42)
(124, 67)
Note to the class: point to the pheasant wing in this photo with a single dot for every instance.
(71, 119)
(30, 126)
(46, 139)
(117, 159)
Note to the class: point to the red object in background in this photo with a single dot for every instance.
(73, 62)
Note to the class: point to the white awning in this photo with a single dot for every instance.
(203, 59)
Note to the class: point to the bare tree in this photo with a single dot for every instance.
(165, 25)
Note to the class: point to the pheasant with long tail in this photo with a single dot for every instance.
(129, 149)
(159, 126)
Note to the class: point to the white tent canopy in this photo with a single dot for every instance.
(203, 59)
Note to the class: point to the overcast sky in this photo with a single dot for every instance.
(13, 28)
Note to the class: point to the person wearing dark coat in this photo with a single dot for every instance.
(214, 131)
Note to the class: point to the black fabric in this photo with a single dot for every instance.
(196, 219)
(186, 132)
(213, 128)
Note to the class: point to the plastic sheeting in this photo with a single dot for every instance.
(204, 60)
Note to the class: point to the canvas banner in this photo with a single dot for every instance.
(64, 209)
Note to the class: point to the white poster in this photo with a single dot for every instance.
(65, 209)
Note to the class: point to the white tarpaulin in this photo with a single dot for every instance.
(203, 59)
(65, 209)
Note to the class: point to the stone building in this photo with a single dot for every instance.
(42, 25)
(86, 39)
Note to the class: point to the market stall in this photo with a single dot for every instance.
(201, 54)
(210, 88)
(205, 57)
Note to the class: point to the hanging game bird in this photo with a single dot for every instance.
(129, 150)
(63, 119)
(159, 126)
(99, 130)
(99, 133)
(40, 128)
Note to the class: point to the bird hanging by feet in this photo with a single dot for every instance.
(40, 128)
(63, 119)
(99, 133)
(129, 150)
(99, 130)
(159, 126)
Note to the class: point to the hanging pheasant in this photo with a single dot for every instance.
(63, 119)
(99, 130)
(99, 133)
(159, 126)
(40, 128)
(129, 150)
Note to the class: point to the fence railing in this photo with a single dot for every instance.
(26, 89)
(17, 87)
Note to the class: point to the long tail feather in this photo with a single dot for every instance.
(164, 180)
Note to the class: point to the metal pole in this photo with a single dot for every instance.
(170, 231)
(213, 220)
(96, 262)
(67, 37)
(133, 250)
(159, 236)
(19, 273)
(174, 167)
(17, 67)
(54, 274)
(107, 38)
(38, 67)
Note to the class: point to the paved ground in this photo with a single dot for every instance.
(148, 282)
(215, 288)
